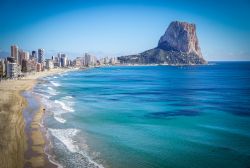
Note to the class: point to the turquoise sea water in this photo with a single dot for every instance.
(150, 116)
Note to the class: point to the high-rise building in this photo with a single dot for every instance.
(25, 65)
(20, 53)
(59, 55)
(89, 60)
(23, 55)
(2, 68)
(32, 65)
(14, 52)
(69, 62)
(49, 64)
(11, 59)
(38, 67)
(63, 60)
(26, 55)
(113, 60)
(33, 55)
(41, 55)
(78, 62)
(56, 62)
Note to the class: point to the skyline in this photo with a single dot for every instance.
(126, 27)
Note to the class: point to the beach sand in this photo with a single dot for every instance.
(17, 146)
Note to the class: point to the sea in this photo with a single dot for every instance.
(149, 116)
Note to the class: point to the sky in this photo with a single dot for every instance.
(122, 27)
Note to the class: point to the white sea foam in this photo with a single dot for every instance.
(59, 118)
(50, 156)
(58, 107)
(50, 88)
(55, 77)
(55, 83)
(44, 85)
(64, 74)
(43, 96)
(64, 106)
(47, 102)
(68, 97)
(50, 106)
(57, 111)
(52, 91)
(65, 136)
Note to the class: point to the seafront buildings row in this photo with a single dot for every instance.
(21, 62)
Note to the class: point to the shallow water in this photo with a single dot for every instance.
(150, 116)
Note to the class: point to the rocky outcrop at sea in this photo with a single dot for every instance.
(178, 46)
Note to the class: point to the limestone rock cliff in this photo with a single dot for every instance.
(179, 45)
(180, 36)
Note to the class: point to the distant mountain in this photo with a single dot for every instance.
(179, 45)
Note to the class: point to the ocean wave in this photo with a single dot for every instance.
(64, 106)
(57, 107)
(66, 137)
(58, 118)
(46, 92)
(51, 91)
(55, 77)
(42, 95)
(50, 88)
(60, 74)
(55, 83)
(47, 103)
(54, 109)
(64, 74)
(44, 85)
(68, 97)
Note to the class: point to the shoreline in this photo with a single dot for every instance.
(15, 141)
(35, 155)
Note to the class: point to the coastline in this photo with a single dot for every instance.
(21, 143)
(35, 155)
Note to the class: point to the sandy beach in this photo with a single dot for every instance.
(21, 142)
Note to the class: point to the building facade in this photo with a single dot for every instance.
(33, 55)
(2, 68)
(38, 67)
(12, 70)
(78, 62)
(14, 52)
(41, 53)
(63, 60)
(89, 60)
(49, 64)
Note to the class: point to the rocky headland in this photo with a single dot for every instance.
(178, 46)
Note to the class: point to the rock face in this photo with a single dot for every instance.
(179, 45)
(180, 36)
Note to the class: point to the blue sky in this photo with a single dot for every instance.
(114, 28)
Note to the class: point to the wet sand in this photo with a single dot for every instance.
(22, 142)
(36, 140)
